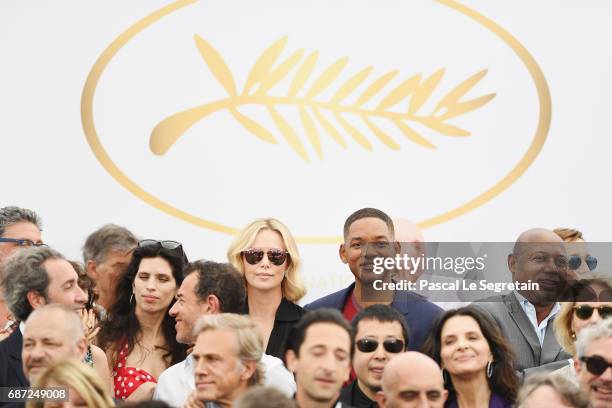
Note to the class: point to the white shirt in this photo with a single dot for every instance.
(530, 311)
(176, 383)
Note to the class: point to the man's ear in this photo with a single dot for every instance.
(82, 347)
(214, 306)
(291, 361)
(342, 253)
(380, 399)
(444, 395)
(577, 365)
(36, 299)
(511, 263)
(92, 269)
(248, 370)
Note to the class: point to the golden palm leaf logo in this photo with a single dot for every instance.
(265, 75)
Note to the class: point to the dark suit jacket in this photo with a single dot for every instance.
(287, 315)
(11, 371)
(521, 335)
(419, 313)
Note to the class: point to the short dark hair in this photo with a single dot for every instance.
(221, 280)
(368, 213)
(383, 314)
(297, 334)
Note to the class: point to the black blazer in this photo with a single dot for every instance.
(11, 371)
(287, 315)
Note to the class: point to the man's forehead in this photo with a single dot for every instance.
(60, 269)
(46, 326)
(22, 229)
(326, 334)
(368, 227)
(601, 346)
(367, 327)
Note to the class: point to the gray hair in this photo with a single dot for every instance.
(590, 334)
(566, 388)
(264, 397)
(12, 215)
(70, 320)
(247, 335)
(24, 272)
(110, 237)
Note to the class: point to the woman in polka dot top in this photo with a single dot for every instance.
(139, 335)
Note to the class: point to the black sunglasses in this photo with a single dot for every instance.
(585, 312)
(369, 345)
(22, 242)
(276, 256)
(166, 244)
(596, 365)
(575, 261)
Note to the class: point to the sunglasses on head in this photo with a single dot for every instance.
(596, 365)
(585, 312)
(390, 345)
(166, 244)
(22, 242)
(575, 261)
(254, 256)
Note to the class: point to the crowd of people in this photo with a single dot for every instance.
(137, 324)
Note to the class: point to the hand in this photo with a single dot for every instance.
(90, 324)
(193, 402)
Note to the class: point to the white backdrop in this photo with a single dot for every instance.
(219, 172)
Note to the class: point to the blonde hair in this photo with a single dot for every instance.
(292, 286)
(569, 234)
(563, 320)
(247, 335)
(81, 378)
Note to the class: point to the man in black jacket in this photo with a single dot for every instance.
(33, 278)
(380, 334)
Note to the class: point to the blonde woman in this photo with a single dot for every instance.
(85, 387)
(581, 261)
(267, 256)
(587, 302)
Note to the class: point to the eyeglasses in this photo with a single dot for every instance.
(596, 365)
(22, 242)
(585, 312)
(575, 261)
(169, 245)
(276, 256)
(369, 345)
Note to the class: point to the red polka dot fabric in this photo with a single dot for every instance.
(127, 379)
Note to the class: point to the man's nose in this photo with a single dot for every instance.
(81, 296)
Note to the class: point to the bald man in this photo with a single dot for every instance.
(51, 334)
(401, 388)
(526, 317)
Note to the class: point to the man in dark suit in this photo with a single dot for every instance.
(364, 231)
(34, 277)
(526, 317)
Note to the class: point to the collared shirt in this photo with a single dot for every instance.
(176, 383)
(530, 311)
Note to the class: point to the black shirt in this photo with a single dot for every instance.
(352, 395)
(287, 315)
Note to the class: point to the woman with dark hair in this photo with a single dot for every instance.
(475, 358)
(139, 335)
